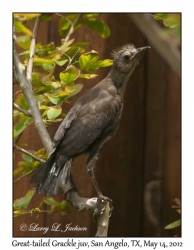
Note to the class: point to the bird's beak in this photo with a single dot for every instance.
(141, 51)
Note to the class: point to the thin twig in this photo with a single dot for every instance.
(30, 154)
(72, 27)
(23, 176)
(34, 212)
(15, 95)
(32, 50)
(58, 14)
(71, 59)
(24, 111)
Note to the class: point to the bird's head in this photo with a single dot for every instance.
(127, 58)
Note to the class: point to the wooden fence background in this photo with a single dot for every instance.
(140, 168)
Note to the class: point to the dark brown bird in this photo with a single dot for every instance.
(90, 123)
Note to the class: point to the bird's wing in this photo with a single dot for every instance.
(66, 123)
(94, 119)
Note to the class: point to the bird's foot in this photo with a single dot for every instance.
(101, 205)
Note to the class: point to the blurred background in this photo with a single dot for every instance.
(140, 168)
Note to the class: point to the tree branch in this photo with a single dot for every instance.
(28, 153)
(29, 95)
(153, 33)
(72, 27)
(32, 211)
(23, 176)
(24, 111)
(32, 50)
(103, 222)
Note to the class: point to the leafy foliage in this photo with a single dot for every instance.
(23, 202)
(57, 70)
(171, 28)
(90, 20)
(28, 164)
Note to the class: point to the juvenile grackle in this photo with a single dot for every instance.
(90, 123)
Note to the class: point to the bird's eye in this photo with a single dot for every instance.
(126, 57)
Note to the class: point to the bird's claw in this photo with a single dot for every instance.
(101, 205)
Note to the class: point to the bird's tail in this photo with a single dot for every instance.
(49, 176)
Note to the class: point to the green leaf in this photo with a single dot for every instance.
(49, 201)
(24, 42)
(16, 113)
(64, 25)
(91, 15)
(25, 165)
(88, 60)
(48, 76)
(104, 63)
(27, 158)
(75, 48)
(64, 205)
(18, 171)
(26, 16)
(19, 27)
(18, 203)
(24, 201)
(21, 101)
(169, 20)
(52, 113)
(62, 62)
(46, 17)
(65, 45)
(76, 89)
(44, 50)
(27, 52)
(23, 39)
(36, 210)
(173, 224)
(21, 125)
(41, 99)
(99, 26)
(55, 207)
(63, 94)
(47, 66)
(39, 60)
(66, 22)
(36, 78)
(28, 197)
(71, 74)
(53, 99)
(36, 164)
(19, 212)
(87, 76)
(56, 85)
(159, 16)
(44, 113)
